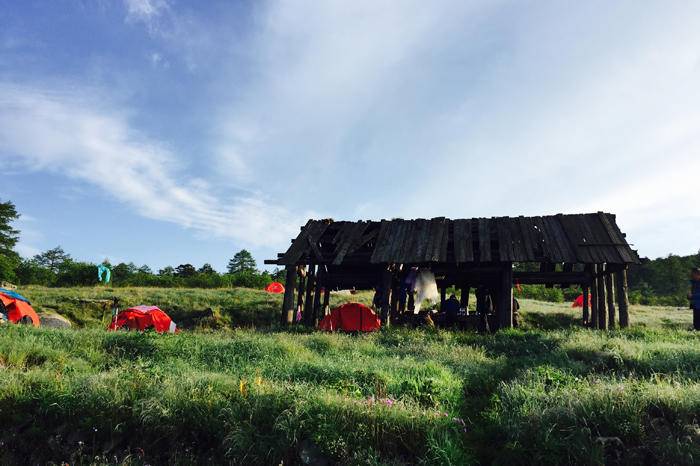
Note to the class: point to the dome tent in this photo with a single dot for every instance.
(143, 318)
(17, 308)
(275, 287)
(351, 317)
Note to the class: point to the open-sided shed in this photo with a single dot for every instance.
(583, 249)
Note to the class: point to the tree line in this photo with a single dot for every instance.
(658, 281)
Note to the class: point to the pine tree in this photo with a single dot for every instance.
(53, 259)
(242, 262)
(207, 269)
(9, 259)
(8, 235)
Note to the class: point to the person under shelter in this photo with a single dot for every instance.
(451, 310)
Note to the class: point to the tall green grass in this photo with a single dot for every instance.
(533, 395)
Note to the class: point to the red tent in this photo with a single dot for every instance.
(351, 317)
(578, 302)
(18, 309)
(143, 318)
(275, 287)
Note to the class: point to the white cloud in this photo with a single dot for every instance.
(386, 109)
(145, 10)
(91, 142)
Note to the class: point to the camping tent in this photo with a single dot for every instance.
(578, 302)
(275, 287)
(18, 308)
(143, 318)
(351, 317)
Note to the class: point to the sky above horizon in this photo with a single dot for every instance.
(165, 132)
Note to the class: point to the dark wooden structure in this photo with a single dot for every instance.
(584, 249)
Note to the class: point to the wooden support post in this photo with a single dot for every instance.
(505, 298)
(394, 311)
(308, 302)
(411, 301)
(301, 286)
(464, 297)
(288, 302)
(593, 322)
(610, 290)
(316, 310)
(385, 299)
(443, 295)
(622, 298)
(326, 301)
(586, 317)
(602, 316)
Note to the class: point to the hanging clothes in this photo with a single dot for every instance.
(426, 288)
(104, 272)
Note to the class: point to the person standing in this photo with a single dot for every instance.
(694, 296)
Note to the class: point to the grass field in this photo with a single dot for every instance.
(548, 393)
(234, 307)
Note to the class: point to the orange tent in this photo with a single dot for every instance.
(143, 318)
(351, 317)
(275, 287)
(18, 309)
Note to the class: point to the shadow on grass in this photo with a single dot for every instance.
(551, 320)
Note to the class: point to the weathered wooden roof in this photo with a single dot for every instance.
(582, 238)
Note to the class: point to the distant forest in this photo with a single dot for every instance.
(662, 281)
(658, 281)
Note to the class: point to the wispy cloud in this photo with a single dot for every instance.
(477, 108)
(91, 141)
(145, 11)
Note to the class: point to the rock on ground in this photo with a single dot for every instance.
(54, 321)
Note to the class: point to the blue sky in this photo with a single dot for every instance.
(165, 131)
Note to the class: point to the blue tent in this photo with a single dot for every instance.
(14, 295)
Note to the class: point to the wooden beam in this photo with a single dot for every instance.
(593, 322)
(326, 301)
(610, 290)
(464, 297)
(586, 304)
(552, 278)
(602, 316)
(622, 298)
(288, 303)
(586, 287)
(307, 316)
(316, 310)
(386, 277)
(301, 274)
(394, 305)
(505, 298)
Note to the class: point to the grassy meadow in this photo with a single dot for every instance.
(549, 392)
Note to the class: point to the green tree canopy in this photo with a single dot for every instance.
(8, 235)
(53, 259)
(185, 270)
(206, 269)
(242, 262)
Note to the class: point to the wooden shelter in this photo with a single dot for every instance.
(584, 249)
